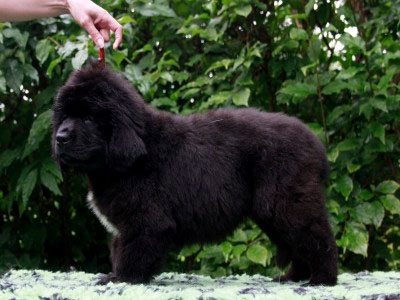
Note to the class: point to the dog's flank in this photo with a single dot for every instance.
(162, 179)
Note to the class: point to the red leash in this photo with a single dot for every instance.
(102, 59)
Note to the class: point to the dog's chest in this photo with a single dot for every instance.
(110, 227)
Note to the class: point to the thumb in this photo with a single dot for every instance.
(94, 33)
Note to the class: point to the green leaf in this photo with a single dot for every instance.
(344, 185)
(7, 157)
(348, 73)
(49, 181)
(257, 254)
(15, 75)
(366, 109)
(127, 19)
(31, 72)
(217, 99)
(352, 167)
(243, 10)
(210, 252)
(241, 98)
(391, 203)
(51, 67)
(43, 48)
(164, 101)
(355, 238)
(119, 56)
(152, 10)
(298, 34)
(167, 76)
(133, 73)
(38, 132)
(365, 195)
(379, 104)
(314, 49)
(387, 187)
(28, 184)
(378, 213)
(191, 92)
(370, 213)
(20, 38)
(335, 87)
(21, 56)
(69, 47)
(253, 234)
(318, 130)
(52, 167)
(348, 145)
(305, 69)
(352, 42)
(377, 131)
(239, 236)
(221, 63)
(226, 248)
(337, 112)
(3, 88)
(299, 89)
(80, 58)
(309, 6)
(333, 154)
(238, 250)
(189, 250)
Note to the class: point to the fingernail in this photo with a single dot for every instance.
(100, 42)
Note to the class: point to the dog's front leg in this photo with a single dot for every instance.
(138, 259)
(114, 257)
(138, 255)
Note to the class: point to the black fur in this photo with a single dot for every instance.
(165, 179)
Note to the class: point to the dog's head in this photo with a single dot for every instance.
(98, 121)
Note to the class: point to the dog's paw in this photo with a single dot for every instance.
(280, 279)
(110, 277)
(320, 283)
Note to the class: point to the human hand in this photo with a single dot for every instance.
(97, 21)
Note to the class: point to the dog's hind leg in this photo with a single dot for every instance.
(299, 227)
(313, 243)
(298, 270)
(284, 255)
(263, 214)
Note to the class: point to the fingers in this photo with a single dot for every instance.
(118, 37)
(107, 23)
(105, 33)
(96, 21)
(93, 32)
(117, 28)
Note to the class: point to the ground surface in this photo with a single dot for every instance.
(42, 285)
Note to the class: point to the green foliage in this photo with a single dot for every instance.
(334, 66)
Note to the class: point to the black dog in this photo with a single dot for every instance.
(159, 179)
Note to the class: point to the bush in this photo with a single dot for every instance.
(334, 65)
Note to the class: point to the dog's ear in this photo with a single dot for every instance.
(124, 148)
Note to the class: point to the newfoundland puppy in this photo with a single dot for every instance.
(159, 180)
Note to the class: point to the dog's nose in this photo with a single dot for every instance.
(63, 136)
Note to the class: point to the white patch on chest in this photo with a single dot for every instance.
(103, 219)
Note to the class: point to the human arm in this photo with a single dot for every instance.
(94, 19)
